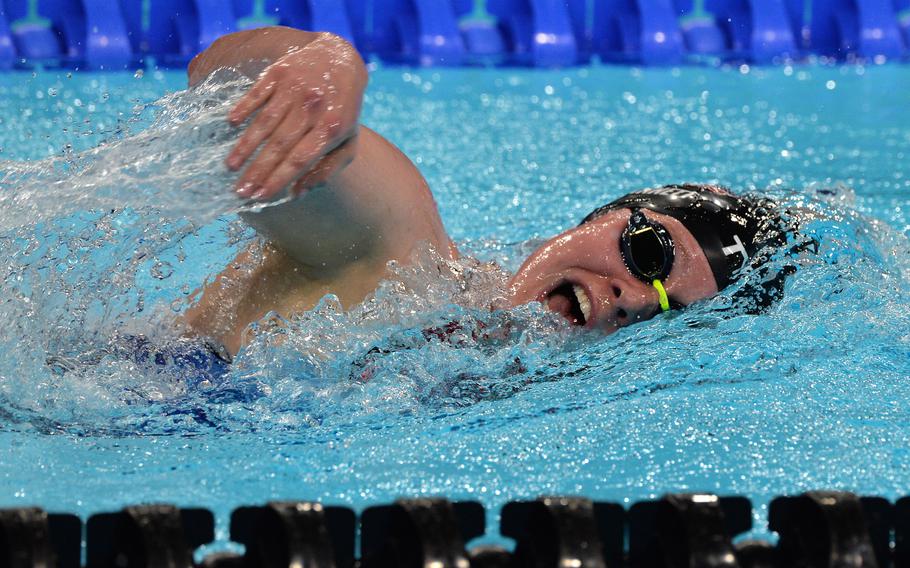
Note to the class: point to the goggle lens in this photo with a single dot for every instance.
(647, 248)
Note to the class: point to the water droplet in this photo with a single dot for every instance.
(162, 270)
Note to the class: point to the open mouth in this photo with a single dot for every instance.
(572, 301)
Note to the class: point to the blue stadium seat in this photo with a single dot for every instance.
(759, 30)
(369, 38)
(87, 33)
(799, 24)
(902, 7)
(581, 17)
(7, 49)
(530, 32)
(153, 30)
(480, 31)
(173, 31)
(541, 29)
(700, 31)
(411, 31)
(330, 16)
(314, 15)
(867, 28)
(215, 19)
(644, 31)
(33, 31)
(107, 44)
(116, 33)
(260, 13)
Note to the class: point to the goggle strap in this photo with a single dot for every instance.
(662, 295)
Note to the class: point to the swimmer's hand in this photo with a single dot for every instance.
(301, 126)
(305, 107)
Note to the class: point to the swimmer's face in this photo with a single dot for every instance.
(581, 275)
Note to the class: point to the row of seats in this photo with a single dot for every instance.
(114, 34)
(818, 529)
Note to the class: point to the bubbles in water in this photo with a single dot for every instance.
(90, 238)
(162, 270)
(78, 233)
(428, 385)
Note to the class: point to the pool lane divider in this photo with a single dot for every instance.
(147, 535)
(32, 537)
(817, 529)
(280, 533)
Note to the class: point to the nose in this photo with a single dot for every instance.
(628, 302)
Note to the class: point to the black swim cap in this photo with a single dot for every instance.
(732, 230)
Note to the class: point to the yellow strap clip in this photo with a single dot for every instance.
(662, 294)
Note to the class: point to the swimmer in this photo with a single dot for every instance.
(359, 203)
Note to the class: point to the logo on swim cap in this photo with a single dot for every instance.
(738, 248)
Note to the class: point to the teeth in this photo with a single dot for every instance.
(583, 302)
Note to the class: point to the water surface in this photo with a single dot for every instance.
(123, 208)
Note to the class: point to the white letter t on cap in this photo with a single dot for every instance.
(737, 248)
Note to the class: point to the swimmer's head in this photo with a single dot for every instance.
(651, 251)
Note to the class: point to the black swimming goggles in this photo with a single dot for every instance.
(648, 251)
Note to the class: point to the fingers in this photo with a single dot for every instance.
(295, 129)
(330, 165)
(262, 126)
(282, 141)
(295, 162)
(255, 97)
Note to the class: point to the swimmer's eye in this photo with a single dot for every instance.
(674, 305)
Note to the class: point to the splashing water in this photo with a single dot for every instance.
(83, 233)
(423, 388)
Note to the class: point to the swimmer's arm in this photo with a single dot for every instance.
(251, 50)
(360, 198)
(336, 238)
(300, 117)
(360, 205)
(376, 209)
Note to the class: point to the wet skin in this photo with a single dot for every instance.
(588, 257)
(361, 203)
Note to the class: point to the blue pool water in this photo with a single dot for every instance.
(123, 209)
